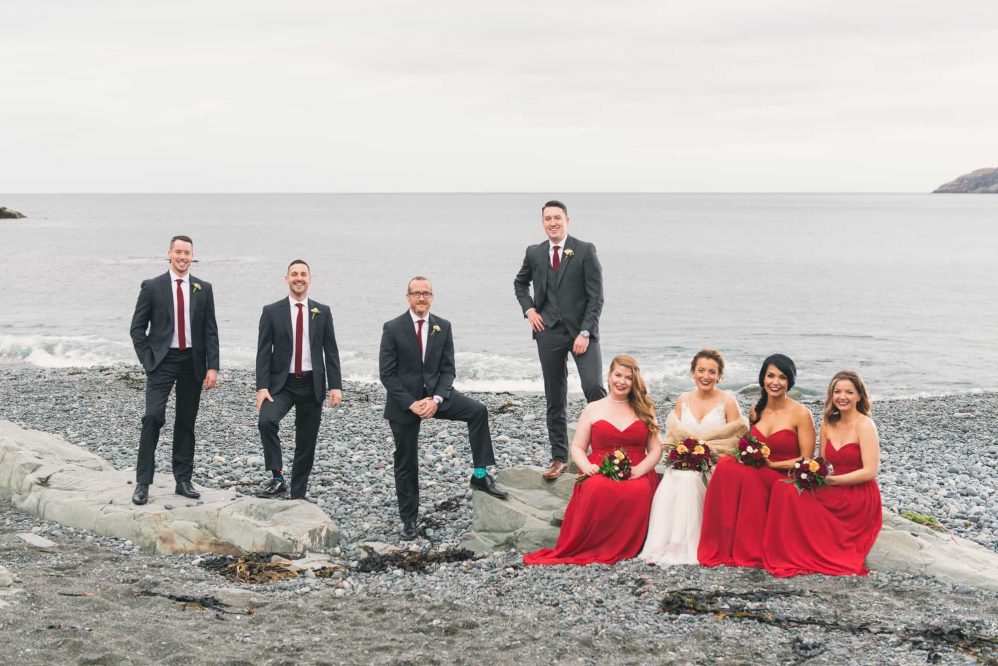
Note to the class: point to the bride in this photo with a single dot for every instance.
(705, 413)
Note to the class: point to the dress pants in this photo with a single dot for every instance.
(176, 368)
(457, 407)
(553, 345)
(300, 394)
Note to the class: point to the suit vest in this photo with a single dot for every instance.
(551, 310)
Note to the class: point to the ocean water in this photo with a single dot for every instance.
(898, 287)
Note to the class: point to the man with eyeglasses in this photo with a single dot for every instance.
(563, 312)
(416, 364)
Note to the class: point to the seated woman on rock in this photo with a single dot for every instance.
(734, 509)
(706, 413)
(831, 530)
(606, 520)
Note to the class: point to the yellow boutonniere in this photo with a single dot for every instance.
(315, 312)
(569, 253)
(434, 330)
(197, 286)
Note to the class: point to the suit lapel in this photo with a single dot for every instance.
(312, 323)
(168, 290)
(428, 336)
(284, 311)
(565, 259)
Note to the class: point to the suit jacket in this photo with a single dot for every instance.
(406, 377)
(579, 281)
(153, 324)
(275, 347)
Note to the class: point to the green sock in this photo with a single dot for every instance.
(480, 473)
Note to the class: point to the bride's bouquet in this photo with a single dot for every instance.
(808, 474)
(691, 454)
(751, 452)
(615, 466)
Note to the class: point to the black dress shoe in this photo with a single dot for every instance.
(186, 488)
(141, 494)
(409, 531)
(275, 488)
(488, 485)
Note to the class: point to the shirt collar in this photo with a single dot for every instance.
(174, 277)
(416, 317)
(293, 303)
(562, 244)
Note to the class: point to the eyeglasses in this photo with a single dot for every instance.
(421, 294)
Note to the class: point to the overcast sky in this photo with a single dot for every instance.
(538, 95)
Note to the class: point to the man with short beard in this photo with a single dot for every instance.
(176, 339)
(297, 365)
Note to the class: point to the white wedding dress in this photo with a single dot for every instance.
(677, 510)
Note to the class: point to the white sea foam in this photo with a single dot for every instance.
(56, 351)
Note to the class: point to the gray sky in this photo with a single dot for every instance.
(376, 95)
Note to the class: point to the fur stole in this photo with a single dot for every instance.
(722, 441)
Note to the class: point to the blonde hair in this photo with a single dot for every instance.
(638, 398)
(864, 406)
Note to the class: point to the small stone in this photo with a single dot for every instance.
(35, 541)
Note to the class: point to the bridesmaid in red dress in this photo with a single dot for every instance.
(606, 521)
(734, 509)
(832, 530)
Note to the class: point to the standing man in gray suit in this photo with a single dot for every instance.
(176, 339)
(297, 364)
(564, 312)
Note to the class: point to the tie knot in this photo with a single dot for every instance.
(556, 247)
(179, 282)
(419, 322)
(299, 305)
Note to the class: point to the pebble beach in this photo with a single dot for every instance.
(940, 458)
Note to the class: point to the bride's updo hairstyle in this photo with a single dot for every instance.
(638, 398)
(714, 356)
(864, 406)
(787, 367)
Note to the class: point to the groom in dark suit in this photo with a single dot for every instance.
(297, 363)
(417, 368)
(564, 312)
(176, 339)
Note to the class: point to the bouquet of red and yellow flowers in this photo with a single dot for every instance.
(751, 452)
(808, 474)
(691, 454)
(616, 466)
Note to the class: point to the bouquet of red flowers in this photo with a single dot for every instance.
(808, 474)
(751, 452)
(616, 466)
(691, 454)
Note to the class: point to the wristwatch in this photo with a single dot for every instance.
(584, 334)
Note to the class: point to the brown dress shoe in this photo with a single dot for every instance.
(556, 469)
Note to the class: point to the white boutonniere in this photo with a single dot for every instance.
(434, 330)
(197, 286)
(315, 312)
(569, 253)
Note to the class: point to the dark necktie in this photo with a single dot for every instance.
(181, 317)
(299, 325)
(555, 259)
(419, 337)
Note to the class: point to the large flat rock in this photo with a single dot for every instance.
(47, 477)
(529, 520)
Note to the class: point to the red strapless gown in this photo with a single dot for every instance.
(829, 531)
(734, 509)
(606, 521)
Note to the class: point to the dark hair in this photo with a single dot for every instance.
(711, 354)
(185, 239)
(831, 413)
(418, 277)
(556, 204)
(299, 261)
(787, 367)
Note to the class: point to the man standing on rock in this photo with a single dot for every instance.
(564, 312)
(297, 363)
(416, 364)
(176, 339)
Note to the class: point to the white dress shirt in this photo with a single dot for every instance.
(185, 286)
(306, 349)
(561, 251)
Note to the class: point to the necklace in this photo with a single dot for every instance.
(619, 402)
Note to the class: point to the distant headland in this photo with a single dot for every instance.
(982, 181)
(9, 214)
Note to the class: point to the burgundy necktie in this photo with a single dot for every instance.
(419, 337)
(555, 259)
(181, 317)
(300, 324)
